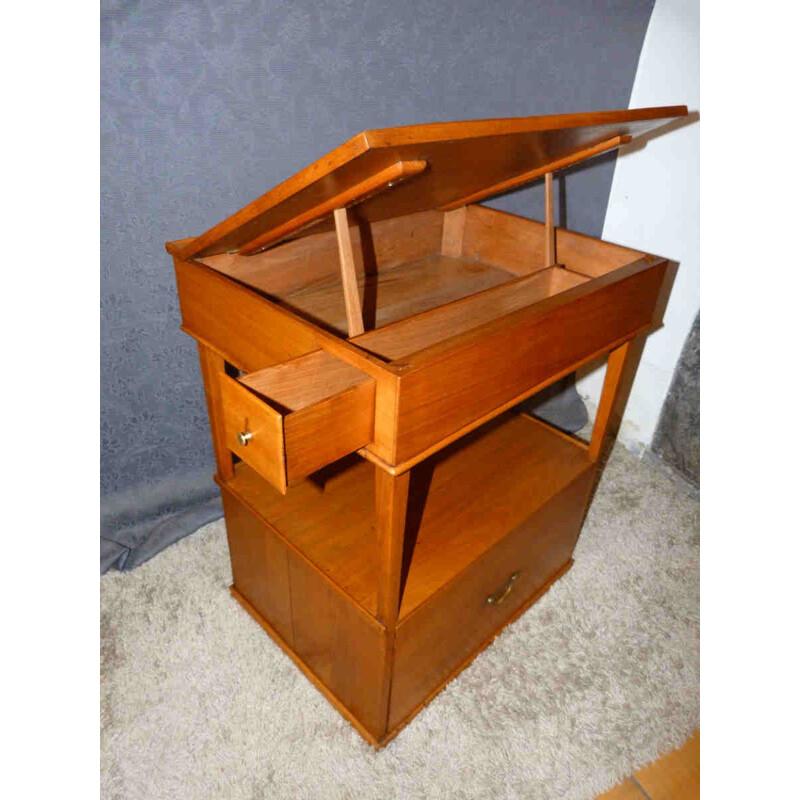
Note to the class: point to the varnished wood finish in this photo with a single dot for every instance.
(398, 341)
(622, 364)
(305, 669)
(391, 500)
(212, 366)
(322, 620)
(549, 222)
(232, 320)
(453, 232)
(352, 303)
(462, 158)
(675, 776)
(345, 649)
(305, 380)
(451, 524)
(302, 263)
(323, 522)
(331, 429)
(395, 294)
(371, 185)
(565, 289)
(476, 652)
(627, 790)
(259, 560)
(456, 524)
(528, 177)
(406, 334)
(299, 416)
(451, 384)
(404, 466)
(434, 640)
(245, 413)
(517, 245)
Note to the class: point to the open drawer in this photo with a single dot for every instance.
(292, 419)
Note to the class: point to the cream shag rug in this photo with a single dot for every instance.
(595, 680)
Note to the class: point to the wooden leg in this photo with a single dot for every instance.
(391, 498)
(212, 365)
(620, 372)
(355, 319)
(549, 222)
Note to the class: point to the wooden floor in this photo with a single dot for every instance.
(675, 776)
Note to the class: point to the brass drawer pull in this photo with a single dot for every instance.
(244, 437)
(502, 593)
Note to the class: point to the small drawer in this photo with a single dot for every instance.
(444, 633)
(292, 419)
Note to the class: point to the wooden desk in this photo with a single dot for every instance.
(365, 331)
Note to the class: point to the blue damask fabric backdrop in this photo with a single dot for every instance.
(207, 104)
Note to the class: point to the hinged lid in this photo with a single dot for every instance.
(396, 171)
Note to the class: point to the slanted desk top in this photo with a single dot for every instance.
(367, 310)
(452, 163)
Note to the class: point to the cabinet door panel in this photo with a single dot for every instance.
(260, 566)
(342, 645)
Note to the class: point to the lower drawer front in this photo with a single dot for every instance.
(449, 628)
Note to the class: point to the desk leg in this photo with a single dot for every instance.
(620, 372)
(212, 365)
(391, 499)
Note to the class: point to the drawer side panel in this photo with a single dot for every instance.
(320, 434)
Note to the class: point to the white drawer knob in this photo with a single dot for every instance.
(244, 437)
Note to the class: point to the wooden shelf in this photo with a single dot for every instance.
(461, 502)
(477, 495)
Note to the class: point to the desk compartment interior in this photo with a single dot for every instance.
(407, 266)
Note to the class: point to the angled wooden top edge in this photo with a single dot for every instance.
(352, 148)
(384, 139)
(469, 129)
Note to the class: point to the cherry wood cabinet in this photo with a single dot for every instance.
(365, 330)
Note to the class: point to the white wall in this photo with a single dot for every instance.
(654, 206)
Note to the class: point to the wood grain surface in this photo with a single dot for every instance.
(462, 158)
